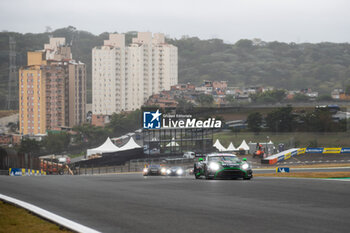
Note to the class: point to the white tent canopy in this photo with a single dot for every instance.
(106, 147)
(231, 147)
(218, 146)
(131, 144)
(172, 143)
(243, 146)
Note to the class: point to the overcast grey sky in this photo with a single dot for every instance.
(231, 20)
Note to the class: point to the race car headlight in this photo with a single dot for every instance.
(145, 170)
(179, 171)
(163, 170)
(245, 166)
(214, 166)
(168, 171)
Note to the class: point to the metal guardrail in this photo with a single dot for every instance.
(178, 160)
(135, 165)
(4, 172)
(85, 170)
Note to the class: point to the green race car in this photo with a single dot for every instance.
(222, 165)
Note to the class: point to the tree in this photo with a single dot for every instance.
(300, 98)
(184, 106)
(320, 120)
(254, 122)
(230, 99)
(325, 98)
(90, 134)
(347, 90)
(273, 96)
(125, 122)
(56, 142)
(13, 126)
(29, 146)
(205, 100)
(244, 43)
(281, 120)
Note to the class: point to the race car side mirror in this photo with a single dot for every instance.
(244, 159)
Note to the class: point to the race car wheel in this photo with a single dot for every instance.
(248, 178)
(207, 176)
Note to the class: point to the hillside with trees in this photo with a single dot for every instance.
(322, 66)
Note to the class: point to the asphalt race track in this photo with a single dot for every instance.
(132, 203)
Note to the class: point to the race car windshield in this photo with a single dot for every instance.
(224, 159)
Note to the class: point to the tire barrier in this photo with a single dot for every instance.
(284, 155)
(25, 172)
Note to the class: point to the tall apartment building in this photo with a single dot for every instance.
(123, 77)
(52, 89)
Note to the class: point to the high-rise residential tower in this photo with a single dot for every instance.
(52, 89)
(123, 77)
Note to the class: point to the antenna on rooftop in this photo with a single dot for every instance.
(12, 81)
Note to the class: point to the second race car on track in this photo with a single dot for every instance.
(175, 171)
(222, 165)
(154, 170)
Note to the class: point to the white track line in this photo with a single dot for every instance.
(303, 178)
(305, 168)
(338, 179)
(48, 215)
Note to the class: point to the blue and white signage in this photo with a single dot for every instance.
(280, 158)
(282, 169)
(151, 120)
(314, 150)
(155, 120)
(15, 171)
(345, 150)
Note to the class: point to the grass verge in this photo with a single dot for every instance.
(307, 174)
(16, 219)
(316, 165)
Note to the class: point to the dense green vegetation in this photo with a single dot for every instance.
(84, 136)
(269, 96)
(321, 66)
(287, 119)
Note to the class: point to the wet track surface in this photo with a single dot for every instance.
(132, 203)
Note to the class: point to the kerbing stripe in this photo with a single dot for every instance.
(48, 215)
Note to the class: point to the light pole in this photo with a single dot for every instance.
(267, 148)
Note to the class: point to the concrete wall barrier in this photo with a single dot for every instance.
(284, 155)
